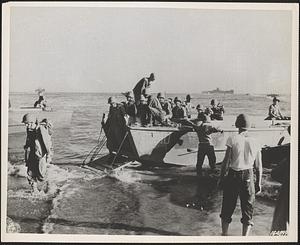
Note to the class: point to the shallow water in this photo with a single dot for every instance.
(132, 201)
(157, 202)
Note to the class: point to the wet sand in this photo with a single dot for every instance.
(132, 201)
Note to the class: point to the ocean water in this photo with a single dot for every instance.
(131, 201)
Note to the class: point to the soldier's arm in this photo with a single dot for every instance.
(258, 172)
(212, 129)
(225, 163)
(224, 167)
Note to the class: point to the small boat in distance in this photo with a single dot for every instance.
(273, 95)
(219, 91)
(60, 118)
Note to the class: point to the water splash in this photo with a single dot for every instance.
(126, 175)
(16, 170)
(12, 226)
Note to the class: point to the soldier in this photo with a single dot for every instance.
(166, 106)
(217, 110)
(130, 108)
(141, 86)
(274, 110)
(204, 129)
(201, 113)
(242, 155)
(178, 111)
(189, 106)
(38, 149)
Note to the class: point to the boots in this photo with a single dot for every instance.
(34, 188)
(246, 230)
(225, 227)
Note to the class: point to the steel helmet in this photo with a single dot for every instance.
(111, 100)
(160, 95)
(199, 107)
(208, 111)
(152, 77)
(242, 121)
(129, 94)
(28, 118)
(213, 102)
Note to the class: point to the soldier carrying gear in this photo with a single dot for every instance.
(38, 149)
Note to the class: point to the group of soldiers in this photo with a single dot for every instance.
(142, 108)
(241, 157)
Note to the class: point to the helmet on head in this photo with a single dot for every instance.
(177, 99)
(160, 95)
(29, 118)
(242, 121)
(129, 94)
(152, 77)
(111, 100)
(199, 107)
(188, 97)
(213, 102)
(208, 111)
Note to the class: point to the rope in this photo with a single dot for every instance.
(97, 148)
(119, 148)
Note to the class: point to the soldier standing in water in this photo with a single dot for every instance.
(38, 149)
(242, 155)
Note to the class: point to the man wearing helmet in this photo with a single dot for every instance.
(38, 149)
(242, 155)
(204, 129)
(115, 125)
(130, 108)
(189, 106)
(166, 106)
(178, 112)
(274, 110)
(217, 110)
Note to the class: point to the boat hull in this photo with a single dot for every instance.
(179, 145)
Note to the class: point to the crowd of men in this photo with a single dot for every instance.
(241, 157)
(143, 108)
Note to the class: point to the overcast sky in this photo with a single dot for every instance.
(110, 49)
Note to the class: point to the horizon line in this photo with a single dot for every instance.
(113, 92)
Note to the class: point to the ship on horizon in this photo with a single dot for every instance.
(218, 91)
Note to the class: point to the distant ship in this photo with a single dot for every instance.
(219, 91)
(273, 95)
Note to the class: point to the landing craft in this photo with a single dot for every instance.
(15, 115)
(164, 146)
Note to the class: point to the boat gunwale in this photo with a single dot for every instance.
(169, 129)
(154, 128)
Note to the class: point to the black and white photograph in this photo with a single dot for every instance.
(149, 122)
